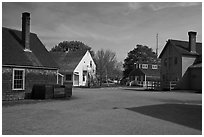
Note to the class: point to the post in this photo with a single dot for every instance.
(57, 76)
(107, 77)
(62, 80)
(145, 81)
(157, 37)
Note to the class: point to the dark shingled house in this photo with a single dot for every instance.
(145, 74)
(182, 63)
(25, 62)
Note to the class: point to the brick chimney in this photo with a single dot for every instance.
(192, 41)
(26, 31)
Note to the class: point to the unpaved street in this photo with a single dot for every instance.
(108, 111)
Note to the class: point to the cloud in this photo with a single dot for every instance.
(160, 5)
(135, 5)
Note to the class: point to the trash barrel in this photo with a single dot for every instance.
(42, 91)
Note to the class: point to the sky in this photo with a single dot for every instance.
(117, 26)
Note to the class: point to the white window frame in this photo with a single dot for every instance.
(154, 66)
(145, 66)
(23, 79)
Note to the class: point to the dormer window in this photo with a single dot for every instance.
(145, 66)
(154, 67)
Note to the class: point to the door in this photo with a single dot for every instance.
(76, 80)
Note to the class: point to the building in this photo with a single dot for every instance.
(25, 62)
(77, 67)
(181, 64)
(145, 75)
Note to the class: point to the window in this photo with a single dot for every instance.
(154, 67)
(145, 66)
(135, 65)
(170, 61)
(68, 77)
(18, 79)
(91, 64)
(165, 62)
(84, 75)
(175, 60)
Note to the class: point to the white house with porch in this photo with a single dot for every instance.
(77, 67)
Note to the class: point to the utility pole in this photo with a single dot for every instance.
(157, 37)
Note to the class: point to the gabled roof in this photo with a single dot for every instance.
(182, 47)
(151, 74)
(13, 52)
(68, 61)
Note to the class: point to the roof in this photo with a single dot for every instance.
(13, 52)
(150, 73)
(182, 47)
(199, 65)
(68, 61)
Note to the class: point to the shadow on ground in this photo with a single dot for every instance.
(187, 115)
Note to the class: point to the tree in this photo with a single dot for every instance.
(142, 54)
(118, 71)
(106, 65)
(71, 46)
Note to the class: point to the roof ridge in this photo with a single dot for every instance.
(184, 41)
(16, 30)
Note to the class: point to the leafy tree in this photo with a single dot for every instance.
(106, 65)
(71, 46)
(142, 54)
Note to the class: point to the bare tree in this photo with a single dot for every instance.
(106, 65)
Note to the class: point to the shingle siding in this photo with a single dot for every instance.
(32, 76)
(179, 71)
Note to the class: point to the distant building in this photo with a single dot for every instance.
(181, 64)
(25, 62)
(77, 67)
(145, 74)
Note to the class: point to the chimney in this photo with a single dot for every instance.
(192, 41)
(26, 31)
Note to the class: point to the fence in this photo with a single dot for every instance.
(170, 85)
(154, 85)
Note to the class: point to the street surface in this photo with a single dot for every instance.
(107, 111)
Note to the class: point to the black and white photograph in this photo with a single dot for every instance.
(101, 68)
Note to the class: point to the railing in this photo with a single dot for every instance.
(155, 85)
(170, 85)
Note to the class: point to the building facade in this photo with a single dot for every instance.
(77, 67)
(25, 62)
(145, 74)
(176, 59)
